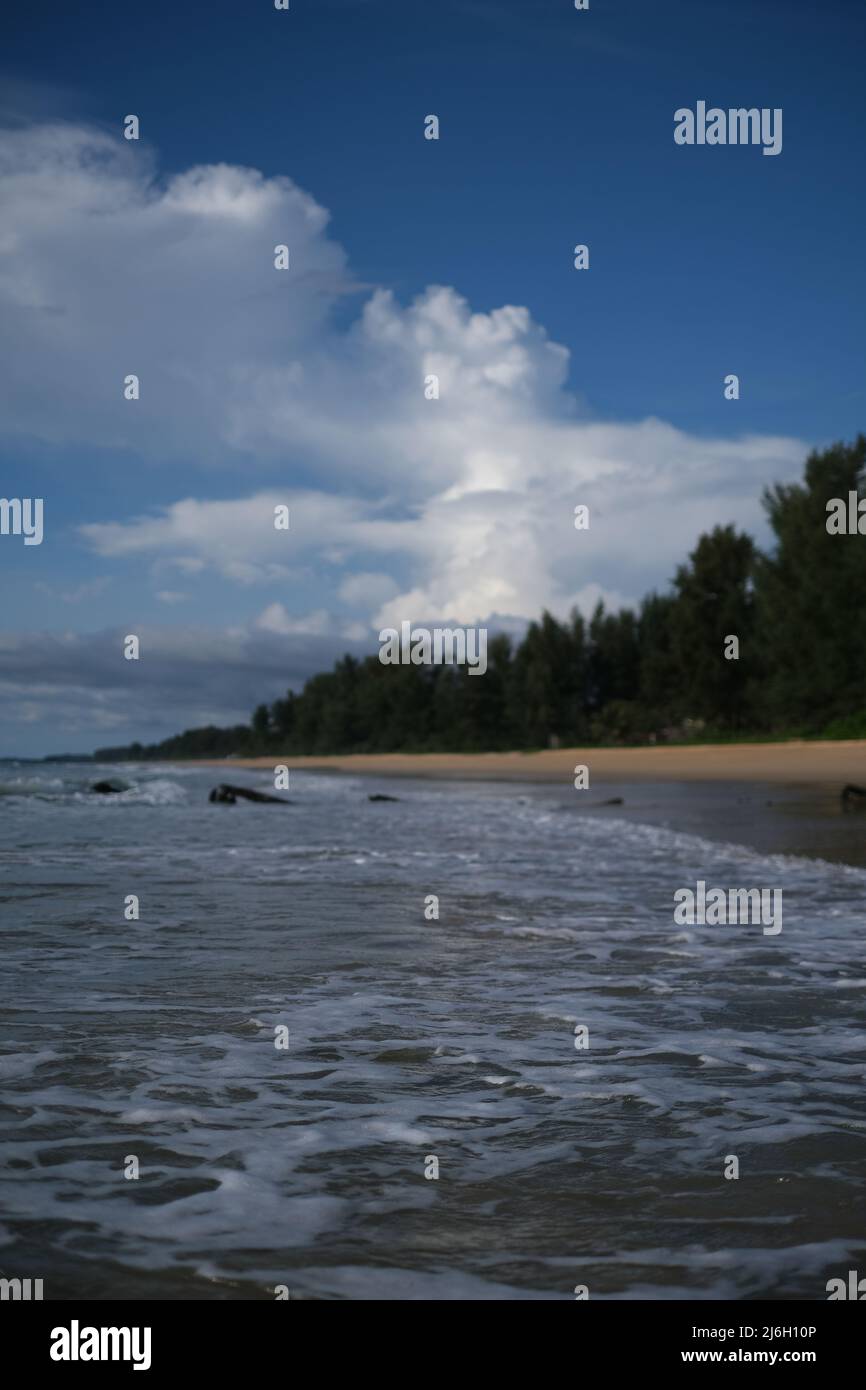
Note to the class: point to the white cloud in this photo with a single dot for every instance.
(90, 589)
(105, 270)
(651, 491)
(367, 589)
(452, 508)
(276, 619)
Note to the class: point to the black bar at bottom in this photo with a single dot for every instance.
(164, 1339)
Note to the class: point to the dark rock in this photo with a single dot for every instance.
(228, 795)
(107, 788)
(380, 796)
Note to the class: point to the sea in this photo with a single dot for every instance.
(449, 1047)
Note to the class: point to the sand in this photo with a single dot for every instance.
(794, 762)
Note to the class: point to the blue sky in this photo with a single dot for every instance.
(602, 386)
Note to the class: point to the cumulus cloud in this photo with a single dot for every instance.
(462, 554)
(107, 270)
(453, 508)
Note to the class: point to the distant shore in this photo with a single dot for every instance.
(794, 762)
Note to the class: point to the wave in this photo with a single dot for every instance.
(148, 791)
(31, 786)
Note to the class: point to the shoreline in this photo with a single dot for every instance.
(795, 762)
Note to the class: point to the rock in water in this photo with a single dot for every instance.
(228, 795)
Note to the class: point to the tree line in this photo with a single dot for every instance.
(654, 674)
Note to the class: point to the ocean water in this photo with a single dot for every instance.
(412, 1040)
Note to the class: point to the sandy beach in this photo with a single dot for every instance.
(794, 763)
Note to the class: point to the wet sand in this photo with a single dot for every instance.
(776, 798)
(796, 762)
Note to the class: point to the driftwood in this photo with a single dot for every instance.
(853, 798)
(227, 795)
(380, 796)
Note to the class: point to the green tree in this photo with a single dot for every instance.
(812, 596)
(614, 657)
(262, 723)
(283, 719)
(715, 599)
(546, 686)
(660, 682)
